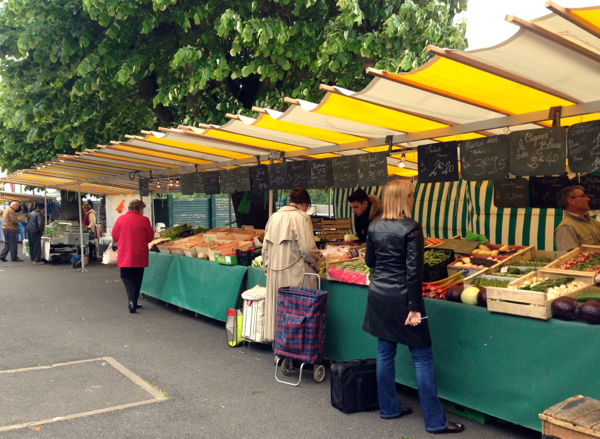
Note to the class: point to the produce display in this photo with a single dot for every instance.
(54, 230)
(474, 295)
(468, 262)
(589, 295)
(514, 272)
(583, 306)
(565, 308)
(483, 282)
(535, 262)
(358, 266)
(439, 288)
(434, 257)
(584, 262)
(554, 287)
(178, 233)
(433, 241)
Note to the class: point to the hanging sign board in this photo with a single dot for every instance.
(511, 193)
(211, 182)
(278, 176)
(583, 144)
(438, 162)
(187, 184)
(144, 187)
(298, 175)
(345, 171)
(259, 178)
(320, 176)
(372, 169)
(227, 181)
(591, 183)
(242, 179)
(537, 152)
(543, 190)
(199, 186)
(485, 158)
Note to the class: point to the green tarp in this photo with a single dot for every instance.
(506, 366)
(197, 285)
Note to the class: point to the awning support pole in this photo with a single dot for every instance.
(45, 207)
(80, 227)
(229, 196)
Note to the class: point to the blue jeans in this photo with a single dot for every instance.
(389, 406)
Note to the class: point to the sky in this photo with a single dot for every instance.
(486, 26)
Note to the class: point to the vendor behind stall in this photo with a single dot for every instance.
(576, 228)
(366, 208)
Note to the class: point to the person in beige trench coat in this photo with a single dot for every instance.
(289, 251)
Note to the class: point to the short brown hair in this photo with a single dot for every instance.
(299, 196)
(395, 200)
(136, 205)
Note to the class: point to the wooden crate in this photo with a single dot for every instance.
(575, 418)
(573, 254)
(529, 303)
(331, 230)
(522, 254)
(165, 247)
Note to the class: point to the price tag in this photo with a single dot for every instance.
(504, 270)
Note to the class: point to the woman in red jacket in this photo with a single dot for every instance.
(132, 232)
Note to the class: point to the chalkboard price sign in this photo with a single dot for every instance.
(187, 184)
(583, 143)
(199, 186)
(278, 176)
(543, 190)
(345, 171)
(537, 152)
(259, 178)
(227, 182)
(591, 183)
(144, 187)
(484, 159)
(438, 162)
(372, 169)
(320, 174)
(211, 182)
(511, 193)
(298, 175)
(242, 178)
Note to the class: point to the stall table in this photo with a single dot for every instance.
(509, 367)
(197, 285)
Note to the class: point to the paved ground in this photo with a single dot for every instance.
(51, 314)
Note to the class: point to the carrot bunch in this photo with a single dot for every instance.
(434, 241)
(438, 289)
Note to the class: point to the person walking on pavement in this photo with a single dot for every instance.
(10, 226)
(35, 230)
(132, 232)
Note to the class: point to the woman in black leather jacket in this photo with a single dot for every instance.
(395, 308)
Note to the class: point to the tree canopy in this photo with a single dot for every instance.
(76, 73)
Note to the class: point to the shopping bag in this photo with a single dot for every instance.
(233, 327)
(109, 257)
(26, 247)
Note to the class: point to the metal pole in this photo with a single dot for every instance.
(270, 202)
(45, 207)
(229, 210)
(329, 201)
(80, 227)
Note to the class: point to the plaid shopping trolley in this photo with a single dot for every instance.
(300, 329)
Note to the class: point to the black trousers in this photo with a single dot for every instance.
(35, 246)
(132, 278)
(10, 245)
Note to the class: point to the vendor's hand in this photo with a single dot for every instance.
(413, 318)
(344, 256)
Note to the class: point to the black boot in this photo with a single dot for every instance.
(131, 307)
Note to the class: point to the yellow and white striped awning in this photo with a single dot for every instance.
(551, 62)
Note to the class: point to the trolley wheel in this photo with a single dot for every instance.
(319, 373)
(286, 366)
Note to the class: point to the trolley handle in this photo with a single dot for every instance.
(311, 274)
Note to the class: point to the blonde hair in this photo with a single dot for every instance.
(395, 200)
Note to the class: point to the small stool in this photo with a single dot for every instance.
(575, 418)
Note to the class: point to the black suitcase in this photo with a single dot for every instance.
(354, 386)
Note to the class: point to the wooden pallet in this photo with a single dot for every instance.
(575, 418)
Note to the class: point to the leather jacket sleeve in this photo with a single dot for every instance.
(414, 270)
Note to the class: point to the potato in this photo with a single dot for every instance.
(495, 252)
(466, 260)
(504, 248)
(484, 248)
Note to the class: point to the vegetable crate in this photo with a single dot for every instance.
(523, 254)
(439, 271)
(572, 255)
(527, 255)
(529, 303)
(331, 230)
(575, 418)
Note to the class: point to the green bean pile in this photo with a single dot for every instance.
(482, 282)
(434, 257)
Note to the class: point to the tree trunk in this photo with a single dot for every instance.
(259, 209)
(69, 206)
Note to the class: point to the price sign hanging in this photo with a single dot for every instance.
(438, 162)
